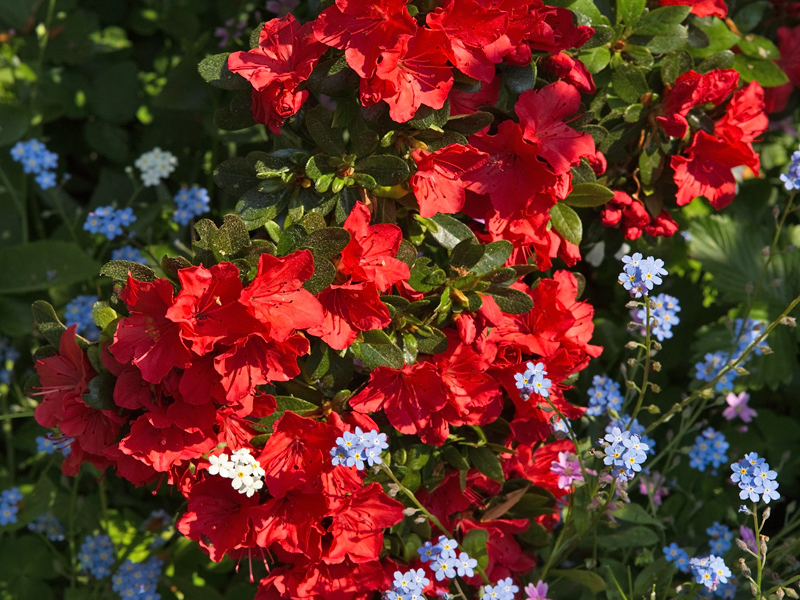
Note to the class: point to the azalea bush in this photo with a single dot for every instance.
(365, 299)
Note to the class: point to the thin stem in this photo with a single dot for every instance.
(71, 529)
(646, 379)
(759, 558)
(18, 415)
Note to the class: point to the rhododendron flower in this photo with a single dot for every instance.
(413, 73)
(285, 57)
(701, 8)
(348, 309)
(693, 89)
(570, 70)
(364, 29)
(634, 219)
(437, 184)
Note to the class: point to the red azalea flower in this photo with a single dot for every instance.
(417, 72)
(93, 429)
(364, 29)
(63, 377)
(256, 360)
(320, 581)
(358, 524)
(506, 557)
(148, 338)
(706, 169)
(789, 45)
(276, 296)
(535, 465)
(218, 516)
(633, 218)
(437, 184)
(350, 308)
(286, 55)
(412, 399)
(296, 454)
(693, 89)
(466, 103)
(701, 8)
(513, 176)
(744, 119)
(370, 253)
(207, 307)
(541, 115)
(570, 70)
(201, 383)
(294, 522)
(470, 26)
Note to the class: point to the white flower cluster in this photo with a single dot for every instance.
(241, 468)
(156, 165)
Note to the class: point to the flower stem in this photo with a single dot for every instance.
(646, 378)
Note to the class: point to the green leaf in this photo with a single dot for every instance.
(43, 264)
(214, 69)
(469, 124)
(224, 242)
(675, 64)
(510, 301)
(495, 256)
(13, 124)
(290, 403)
(595, 59)
(634, 513)
(328, 242)
(319, 122)
(237, 115)
(487, 463)
(273, 164)
(101, 392)
(588, 579)
(765, 72)
(660, 39)
(759, 47)
(629, 83)
(720, 60)
(567, 223)
(629, 10)
(333, 77)
(661, 17)
(255, 208)
(378, 350)
(235, 176)
(47, 322)
(324, 274)
(633, 537)
(520, 78)
(719, 37)
(588, 194)
(118, 270)
(453, 456)
(474, 543)
(750, 14)
(450, 231)
(466, 254)
(430, 340)
(387, 170)
(428, 118)
(291, 239)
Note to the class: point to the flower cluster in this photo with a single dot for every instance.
(721, 538)
(407, 585)
(745, 333)
(8, 505)
(128, 253)
(605, 394)
(97, 555)
(710, 571)
(791, 180)
(678, 556)
(625, 453)
(640, 275)
(664, 311)
(709, 449)
(79, 313)
(533, 381)
(48, 525)
(502, 590)
(156, 165)
(138, 580)
(241, 468)
(755, 479)
(636, 428)
(36, 158)
(108, 221)
(353, 449)
(190, 202)
(8, 356)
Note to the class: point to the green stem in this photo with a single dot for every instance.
(760, 560)
(73, 497)
(42, 49)
(17, 415)
(19, 203)
(647, 359)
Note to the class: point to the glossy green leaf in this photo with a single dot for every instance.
(588, 194)
(235, 176)
(319, 122)
(256, 208)
(450, 231)
(378, 350)
(629, 83)
(486, 462)
(632, 537)
(759, 47)
(718, 34)
(101, 392)
(567, 222)
(765, 72)
(386, 169)
(629, 10)
(47, 322)
(510, 301)
(495, 256)
(214, 69)
(119, 270)
(469, 124)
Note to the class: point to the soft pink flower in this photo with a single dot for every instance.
(536, 592)
(737, 407)
(567, 470)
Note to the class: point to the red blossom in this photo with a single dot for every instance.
(466, 103)
(506, 557)
(701, 8)
(320, 581)
(294, 522)
(634, 219)
(541, 114)
(413, 73)
(571, 70)
(412, 399)
(148, 338)
(693, 89)
(789, 46)
(276, 296)
(364, 29)
(437, 184)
